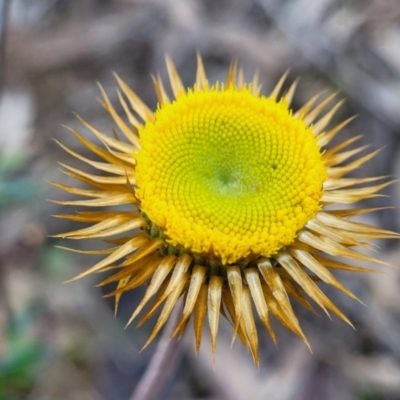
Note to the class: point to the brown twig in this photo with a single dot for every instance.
(163, 363)
(5, 300)
(4, 14)
(319, 51)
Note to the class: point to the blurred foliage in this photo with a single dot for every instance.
(20, 364)
(57, 50)
(16, 189)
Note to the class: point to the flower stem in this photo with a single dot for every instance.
(163, 363)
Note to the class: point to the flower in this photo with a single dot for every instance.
(234, 202)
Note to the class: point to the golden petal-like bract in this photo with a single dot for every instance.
(236, 205)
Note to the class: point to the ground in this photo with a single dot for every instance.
(61, 341)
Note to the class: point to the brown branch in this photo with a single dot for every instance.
(4, 14)
(163, 363)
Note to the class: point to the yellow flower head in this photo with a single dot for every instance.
(229, 192)
(228, 174)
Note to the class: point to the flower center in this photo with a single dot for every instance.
(227, 174)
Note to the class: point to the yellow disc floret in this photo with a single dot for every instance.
(227, 174)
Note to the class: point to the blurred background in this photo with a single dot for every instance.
(62, 341)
